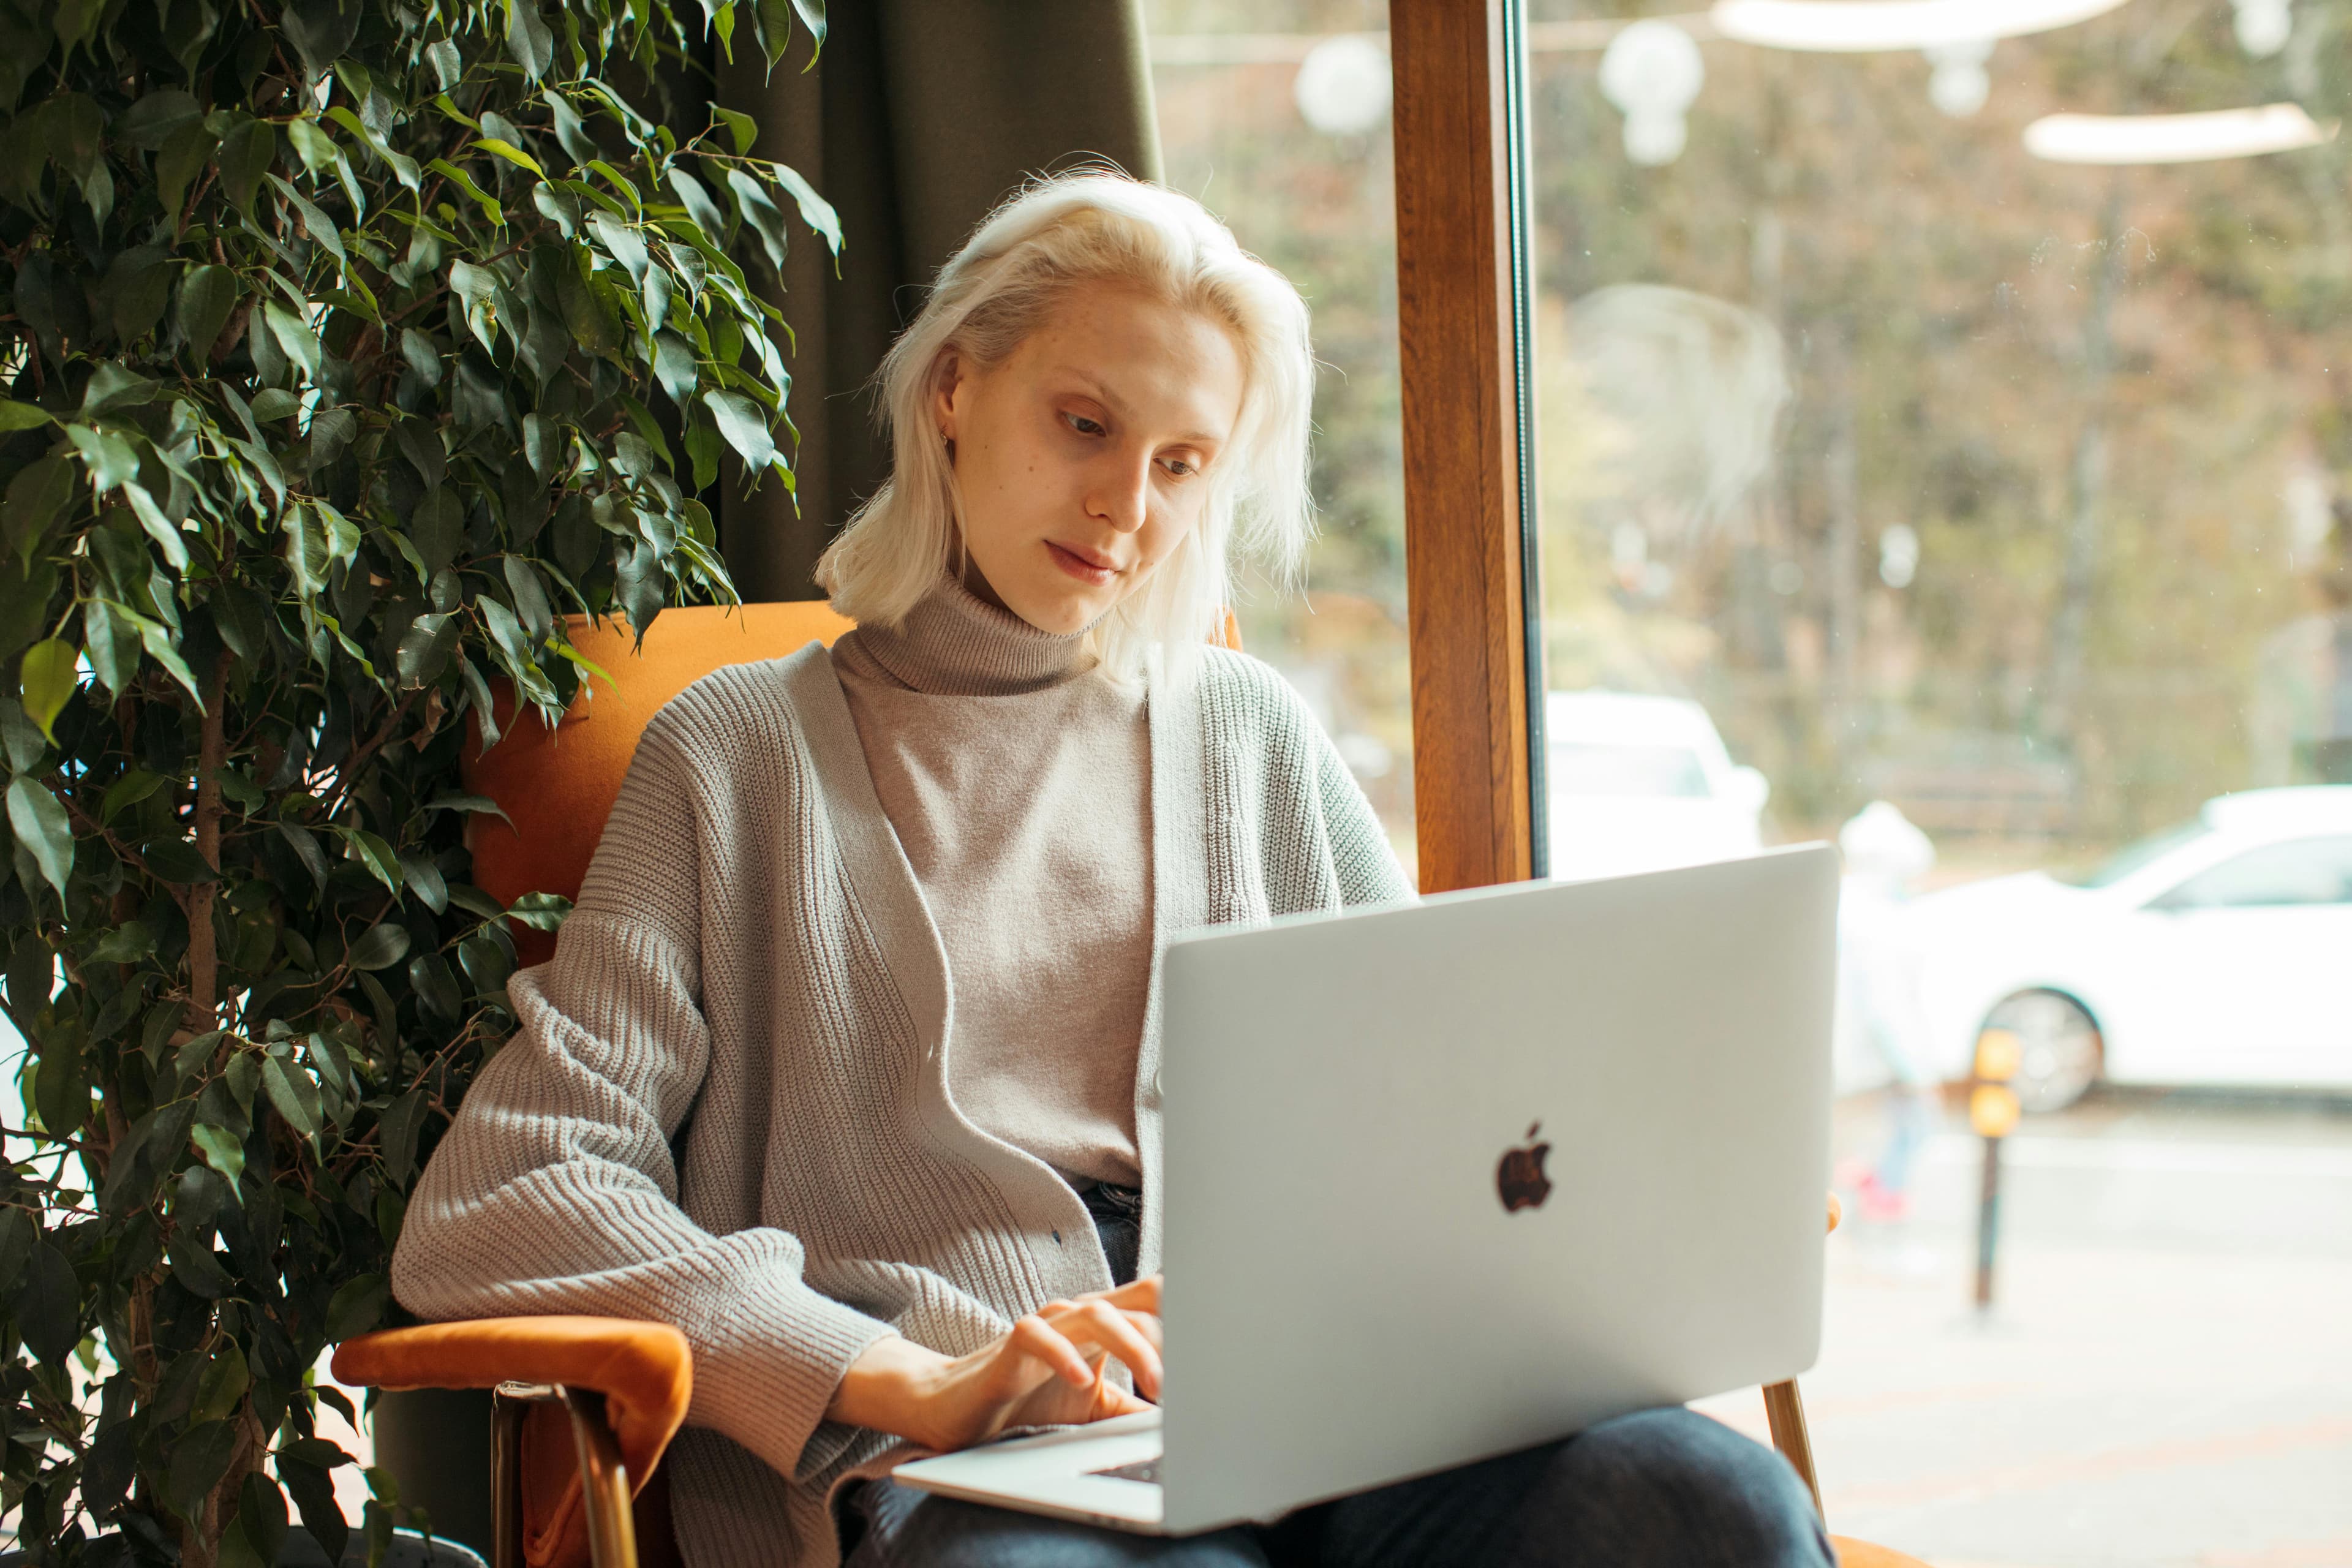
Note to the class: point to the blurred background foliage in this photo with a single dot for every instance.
(2048, 543)
(351, 346)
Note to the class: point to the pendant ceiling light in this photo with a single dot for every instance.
(1869, 26)
(2264, 26)
(1652, 71)
(2116, 138)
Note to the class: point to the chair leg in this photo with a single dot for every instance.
(605, 1481)
(507, 1413)
(1786, 1411)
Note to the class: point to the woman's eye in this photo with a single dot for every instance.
(1180, 468)
(1084, 425)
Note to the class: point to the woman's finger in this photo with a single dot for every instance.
(1034, 1336)
(1135, 1296)
(1100, 1323)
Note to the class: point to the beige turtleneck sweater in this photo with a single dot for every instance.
(1018, 778)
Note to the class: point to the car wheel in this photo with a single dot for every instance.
(2059, 1049)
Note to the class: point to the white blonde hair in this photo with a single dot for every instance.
(1056, 235)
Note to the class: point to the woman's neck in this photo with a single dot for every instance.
(953, 643)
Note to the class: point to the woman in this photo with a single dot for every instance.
(845, 1064)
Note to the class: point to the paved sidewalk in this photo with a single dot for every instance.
(2166, 1382)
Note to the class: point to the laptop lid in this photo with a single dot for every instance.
(1449, 1179)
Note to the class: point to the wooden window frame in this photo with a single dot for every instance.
(1472, 583)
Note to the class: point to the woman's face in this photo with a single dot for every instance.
(1084, 457)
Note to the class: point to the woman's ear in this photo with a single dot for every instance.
(946, 375)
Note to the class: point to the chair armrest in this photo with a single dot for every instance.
(645, 1371)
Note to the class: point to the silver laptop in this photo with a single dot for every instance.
(1447, 1180)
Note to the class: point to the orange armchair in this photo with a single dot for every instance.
(586, 1407)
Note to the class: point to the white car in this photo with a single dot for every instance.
(1642, 783)
(2219, 953)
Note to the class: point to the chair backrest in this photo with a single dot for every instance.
(557, 787)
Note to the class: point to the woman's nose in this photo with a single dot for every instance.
(1122, 493)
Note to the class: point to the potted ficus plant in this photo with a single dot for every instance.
(351, 346)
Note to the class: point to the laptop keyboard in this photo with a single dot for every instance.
(1144, 1470)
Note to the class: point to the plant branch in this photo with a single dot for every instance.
(212, 755)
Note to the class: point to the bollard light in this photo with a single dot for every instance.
(1993, 1112)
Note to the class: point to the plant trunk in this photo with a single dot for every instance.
(212, 755)
(200, 1541)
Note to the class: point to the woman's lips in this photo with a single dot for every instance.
(1086, 568)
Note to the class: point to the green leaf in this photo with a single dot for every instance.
(261, 1518)
(306, 848)
(512, 154)
(356, 1307)
(40, 823)
(425, 879)
(111, 643)
(314, 1494)
(377, 857)
(527, 38)
(320, 30)
(622, 242)
(739, 125)
(19, 1232)
(745, 426)
(540, 911)
(126, 943)
(294, 1093)
(222, 1151)
(35, 497)
(156, 638)
(47, 675)
(200, 1457)
(492, 212)
(380, 946)
(815, 211)
(159, 527)
(177, 860)
(675, 367)
(184, 154)
(149, 124)
(138, 284)
(587, 315)
(128, 790)
(222, 1387)
(315, 224)
(436, 986)
(48, 1313)
(312, 144)
(295, 336)
(699, 206)
(762, 214)
(14, 415)
(77, 131)
(245, 154)
(109, 457)
(396, 1136)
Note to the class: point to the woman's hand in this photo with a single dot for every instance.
(1049, 1371)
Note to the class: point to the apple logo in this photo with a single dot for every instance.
(1520, 1178)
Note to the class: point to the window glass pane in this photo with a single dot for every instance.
(2301, 871)
(1275, 114)
(1991, 504)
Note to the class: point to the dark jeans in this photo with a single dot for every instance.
(1659, 1488)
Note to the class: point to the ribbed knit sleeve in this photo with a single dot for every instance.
(555, 1190)
(1367, 867)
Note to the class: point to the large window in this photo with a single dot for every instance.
(1277, 116)
(1938, 449)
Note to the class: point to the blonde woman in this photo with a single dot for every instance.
(845, 1063)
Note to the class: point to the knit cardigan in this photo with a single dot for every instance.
(726, 1108)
